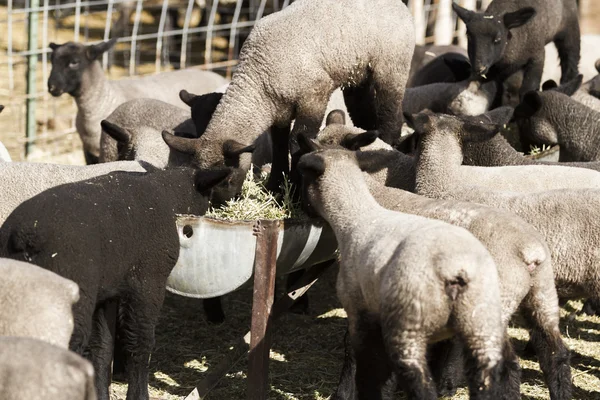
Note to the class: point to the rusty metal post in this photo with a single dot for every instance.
(265, 266)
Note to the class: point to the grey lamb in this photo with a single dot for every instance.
(21, 181)
(520, 254)
(35, 370)
(76, 70)
(552, 117)
(36, 303)
(284, 74)
(511, 34)
(393, 311)
(588, 94)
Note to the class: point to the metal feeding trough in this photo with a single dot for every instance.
(217, 257)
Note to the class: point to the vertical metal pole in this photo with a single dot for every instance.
(31, 75)
(262, 303)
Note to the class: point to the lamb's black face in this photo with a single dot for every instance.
(310, 167)
(487, 41)
(68, 62)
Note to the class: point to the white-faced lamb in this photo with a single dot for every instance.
(520, 254)
(116, 237)
(552, 117)
(419, 282)
(284, 75)
(76, 70)
(511, 34)
(35, 370)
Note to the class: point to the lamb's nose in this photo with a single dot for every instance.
(52, 88)
(482, 70)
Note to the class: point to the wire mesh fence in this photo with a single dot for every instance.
(153, 36)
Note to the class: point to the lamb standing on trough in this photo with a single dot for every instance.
(392, 312)
(511, 34)
(118, 243)
(76, 70)
(35, 370)
(519, 251)
(285, 74)
(36, 303)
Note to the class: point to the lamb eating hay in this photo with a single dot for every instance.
(393, 311)
(511, 34)
(35, 370)
(118, 243)
(290, 65)
(76, 70)
(512, 242)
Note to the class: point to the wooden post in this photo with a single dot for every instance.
(444, 28)
(265, 266)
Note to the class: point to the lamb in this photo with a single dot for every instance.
(22, 180)
(392, 312)
(35, 370)
(136, 133)
(128, 242)
(36, 303)
(588, 94)
(283, 76)
(511, 34)
(569, 232)
(76, 70)
(520, 253)
(552, 117)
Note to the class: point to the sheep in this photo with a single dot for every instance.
(128, 244)
(282, 76)
(76, 70)
(567, 218)
(35, 370)
(21, 181)
(510, 36)
(36, 303)
(392, 312)
(552, 117)
(140, 123)
(519, 251)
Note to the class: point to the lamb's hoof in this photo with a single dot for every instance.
(300, 306)
(591, 307)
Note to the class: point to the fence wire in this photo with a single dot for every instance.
(153, 36)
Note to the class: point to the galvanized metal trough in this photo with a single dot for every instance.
(217, 256)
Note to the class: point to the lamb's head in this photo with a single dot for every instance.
(535, 112)
(220, 184)
(488, 35)
(337, 133)
(69, 61)
(319, 181)
(202, 107)
(594, 83)
(454, 131)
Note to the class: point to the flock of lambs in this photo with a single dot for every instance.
(443, 234)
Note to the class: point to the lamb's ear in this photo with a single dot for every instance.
(95, 50)
(311, 165)
(115, 131)
(549, 85)
(203, 108)
(419, 122)
(182, 145)
(336, 117)
(569, 88)
(500, 116)
(531, 103)
(233, 149)
(407, 143)
(187, 97)
(53, 46)
(465, 15)
(479, 132)
(1, 108)
(207, 179)
(354, 141)
(306, 144)
(519, 17)
(460, 68)
(597, 65)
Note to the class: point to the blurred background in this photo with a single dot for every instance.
(154, 36)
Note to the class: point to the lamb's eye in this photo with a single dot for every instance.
(74, 64)
(497, 40)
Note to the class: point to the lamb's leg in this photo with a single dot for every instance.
(568, 45)
(280, 165)
(372, 366)
(591, 307)
(447, 365)
(509, 387)
(101, 349)
(541, 310)
(389, 82)
(346, 389)
(213, 310)
(83, 312)
(141, 311)
(532, 75)
(360, 103)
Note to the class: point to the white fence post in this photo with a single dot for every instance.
(416, 6)
(444, 26)
(462, 28)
